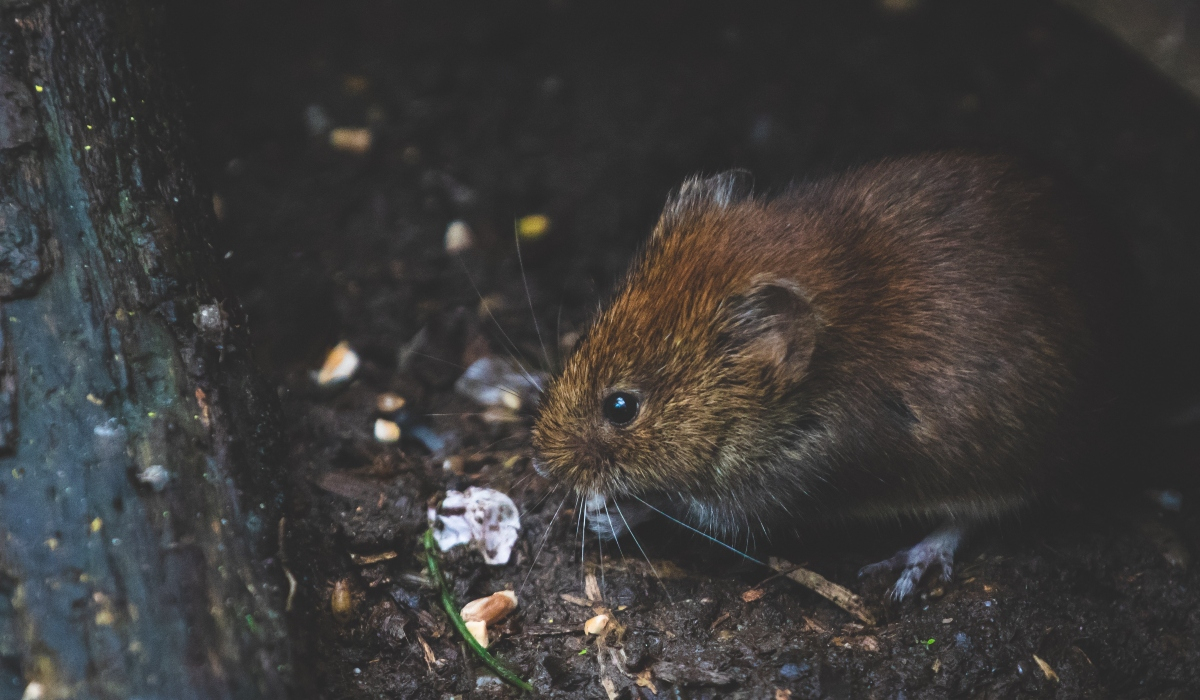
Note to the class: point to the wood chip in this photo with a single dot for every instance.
(838, 595)
(591, 588)
(575, 600)
(430, 658)
(365, 559)
(1046, 670)
(610, 688)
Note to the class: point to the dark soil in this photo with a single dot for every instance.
(589, 113)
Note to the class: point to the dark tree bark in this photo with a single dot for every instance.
(137, 505)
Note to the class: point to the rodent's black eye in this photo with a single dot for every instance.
(620, 407)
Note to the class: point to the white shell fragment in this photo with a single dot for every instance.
(386, 431)
(340, 365)
(458, 237)
(491, 609)
(483, 518)
(478, 630)
(596, 625)
(492, 381)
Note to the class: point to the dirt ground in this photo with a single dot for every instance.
(589, 113)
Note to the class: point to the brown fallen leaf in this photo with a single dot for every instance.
(838, 595)
(753, 594)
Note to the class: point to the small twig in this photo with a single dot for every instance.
(451, 609)
(838, 595)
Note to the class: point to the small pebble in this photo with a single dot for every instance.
(386, 431)
(458, 237)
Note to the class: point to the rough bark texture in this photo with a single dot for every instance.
(118, 358)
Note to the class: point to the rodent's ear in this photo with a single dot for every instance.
(721, 191)
(773, 323)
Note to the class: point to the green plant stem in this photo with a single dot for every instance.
(452, 610)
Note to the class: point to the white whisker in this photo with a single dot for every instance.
(639, 546)
(705, 535)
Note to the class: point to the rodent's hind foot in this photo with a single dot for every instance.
(938, 548)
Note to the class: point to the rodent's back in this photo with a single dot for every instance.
(925, 346)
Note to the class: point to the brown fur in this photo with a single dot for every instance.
(904, 339)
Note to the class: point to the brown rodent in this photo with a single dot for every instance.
(905, 340)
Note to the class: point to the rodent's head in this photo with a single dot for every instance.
(679, 383)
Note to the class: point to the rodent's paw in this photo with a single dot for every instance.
(937, 549)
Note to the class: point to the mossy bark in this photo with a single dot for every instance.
(138, 508)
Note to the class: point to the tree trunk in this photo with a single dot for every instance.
(138, 512)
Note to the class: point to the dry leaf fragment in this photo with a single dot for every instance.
(1046, 670)
(783, 694)
(644, 680)
(575, 600)
(491, 609)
